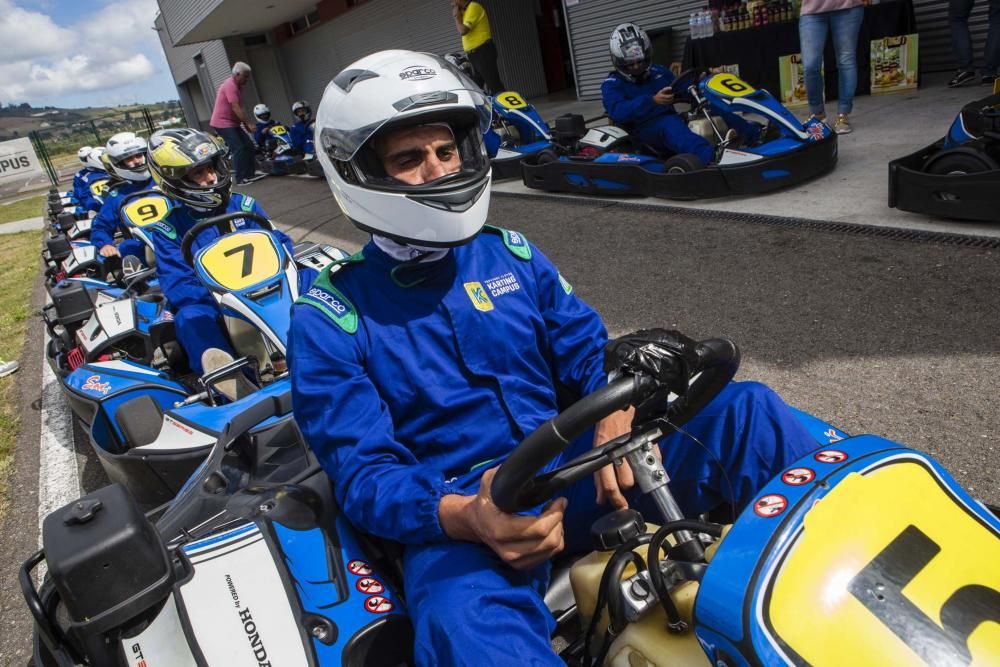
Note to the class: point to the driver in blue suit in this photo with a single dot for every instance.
(126, 156)
(638, 97)
(302, 130)
(425, 358)
(191, 170)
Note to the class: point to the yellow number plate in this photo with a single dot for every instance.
(237, 261)
(890, 569)
(97, 186)
(279, 130)
(730, 85)
(146, 210)
(511, 100)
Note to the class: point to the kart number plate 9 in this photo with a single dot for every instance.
(98, 186)
(891, 568)
(511, 100)
(730, 85)
(146, 210)
(241, 260)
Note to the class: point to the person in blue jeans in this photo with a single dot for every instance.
(638, 96)
(841, 18)
(961, 42)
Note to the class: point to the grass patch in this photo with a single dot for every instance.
(22, 209)
(18, 270)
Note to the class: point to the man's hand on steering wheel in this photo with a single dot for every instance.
(520, 541)
(664, 97)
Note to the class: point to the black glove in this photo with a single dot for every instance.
(665, 354)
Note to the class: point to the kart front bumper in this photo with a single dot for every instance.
(770, 173)
(958, 196)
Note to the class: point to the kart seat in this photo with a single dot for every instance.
(140, 420)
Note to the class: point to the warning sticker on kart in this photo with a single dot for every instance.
(369, 586)
(770, 505)
(359, 567)
(830, 456)
(377, 604)
(730, 85)
(511, 100)
(798, 476)
(145, 210)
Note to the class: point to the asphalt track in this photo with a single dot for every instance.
(876, 335)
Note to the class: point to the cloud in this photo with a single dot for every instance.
(108, 49)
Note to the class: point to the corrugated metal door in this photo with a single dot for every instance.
(935, 34)
(516, 35)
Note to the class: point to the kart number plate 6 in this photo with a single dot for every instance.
(146, 210)
(510, 100)
(890, 568)
(730, 85)
(238, 261)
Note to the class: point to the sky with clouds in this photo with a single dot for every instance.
(78, 53)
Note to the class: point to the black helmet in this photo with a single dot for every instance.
(631, 51)
(173, 154)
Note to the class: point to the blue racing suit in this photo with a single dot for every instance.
(410, 381)
(196, 314)
(258, 133)
(108, 220)
(631, 106)
(302, 135)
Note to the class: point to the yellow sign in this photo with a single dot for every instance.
(730, 85)
(278, 130)
(480, 299)
(890, 569)
(98, 186)
(146, 210)
(511, 100)
(240, 260)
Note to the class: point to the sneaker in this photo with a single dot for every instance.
(8, 367)
(988, 79)
(234, 387)
(843, 125)
(963, 77)
(818, 116)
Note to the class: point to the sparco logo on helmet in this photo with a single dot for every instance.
(417, 73)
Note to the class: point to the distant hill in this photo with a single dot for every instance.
(18, 120)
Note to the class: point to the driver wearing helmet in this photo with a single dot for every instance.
(425, 358)
(262, 114)
(125, 155)
(190, 168)
(638, 96)
(302, 130)
(79, 189)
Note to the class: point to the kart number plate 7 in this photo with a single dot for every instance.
(241, 260)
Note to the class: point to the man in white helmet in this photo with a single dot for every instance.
(422, 362)
(125, 153)
(303, 128)
(262, 114)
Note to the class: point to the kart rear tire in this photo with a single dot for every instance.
(962, 160)
(547, 156)
(683, 163)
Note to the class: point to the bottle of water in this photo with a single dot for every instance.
(709, 24)
(691, 26)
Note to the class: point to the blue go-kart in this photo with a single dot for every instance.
(958, 175)
(607, 161)
(517, 132)
(862, 552)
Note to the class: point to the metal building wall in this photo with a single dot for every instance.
(515, 33)
(935, 34)
(219, 66)
(183, 15)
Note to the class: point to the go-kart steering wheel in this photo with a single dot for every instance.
(220, 222)
(684, 81)
(518, 487)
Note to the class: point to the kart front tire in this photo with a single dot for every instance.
(962, 160)
(683, 163)
(547, 156)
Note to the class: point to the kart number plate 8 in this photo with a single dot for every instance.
(730, 85)
(146, 210)
(511, 100)
(891, 568)
(238, 261)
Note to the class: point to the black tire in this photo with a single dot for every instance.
(683, 163)
(547, 156)
(958, 161)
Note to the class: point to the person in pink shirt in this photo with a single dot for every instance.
(229, 119)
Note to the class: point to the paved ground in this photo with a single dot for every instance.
(26, 225)
(875, 335)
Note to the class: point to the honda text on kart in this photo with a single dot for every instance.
(956, 176)
(151, 421)
(863, 552)
(606, 161)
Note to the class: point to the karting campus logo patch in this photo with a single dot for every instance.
(478, 295)
(501, 285)
(95, 385)
(417, 73)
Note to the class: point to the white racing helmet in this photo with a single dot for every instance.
(631, 51)
(123, 146)
(262, 113)
(381, 93)
(302, 105)
(94, 158)
(84, 153)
